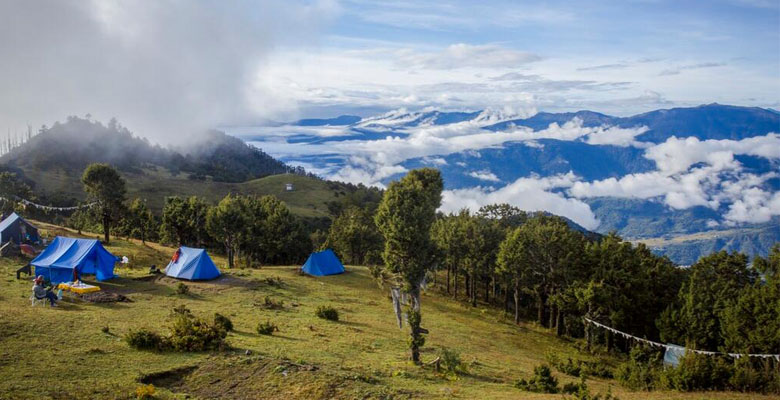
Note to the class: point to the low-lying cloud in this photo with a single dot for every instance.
(163, 68)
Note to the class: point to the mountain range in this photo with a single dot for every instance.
(685, 180)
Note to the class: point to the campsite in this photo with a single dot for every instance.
(79, 345)
(373, 200)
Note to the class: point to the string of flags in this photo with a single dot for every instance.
(49, 208)
(676, 347)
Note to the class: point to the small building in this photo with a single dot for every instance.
(289, 187)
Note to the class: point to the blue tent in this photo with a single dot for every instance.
(66, 257)
(16, 229)
(193, 265)
(323, 263)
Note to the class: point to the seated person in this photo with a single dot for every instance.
(153, 269)
(40, 292)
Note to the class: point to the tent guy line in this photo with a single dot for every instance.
(668, 346)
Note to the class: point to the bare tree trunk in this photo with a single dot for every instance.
(517, 303)
(540, 309)
(455, 281)
(559, 324)
(106, 228)
(448, 279)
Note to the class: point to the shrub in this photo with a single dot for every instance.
(579, 368)
(271, 304)
(580, 391)
(223, 322)
(568, 367)
(266, 328)
(144, 392)
(327, 312)
(450, 360)
(105, 329)
(181, 309)
(144, 339)
(541, 382)
(182, 289)
(190, 333)
(641, 370)
(697, 372)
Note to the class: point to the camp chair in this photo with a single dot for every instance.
(35, 300)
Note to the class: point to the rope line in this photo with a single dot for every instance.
(668, 346)
(30, 203)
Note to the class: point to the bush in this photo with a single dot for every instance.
(698, 372)
(327, 312)
(579, 368)
(190, 333)
(144, 392)
(541, 382)
(181, 309)
(580, 391)
(266, 328)
(144, 339)
(450, 360)
(182, 289)
(223, 322)
(641, 370)
(271, 304)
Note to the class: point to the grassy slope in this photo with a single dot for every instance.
(62, 352)
(308, 199)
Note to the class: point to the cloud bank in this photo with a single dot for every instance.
(163, 68)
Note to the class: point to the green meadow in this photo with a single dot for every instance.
(76, 350)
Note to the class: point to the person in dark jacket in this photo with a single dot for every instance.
(40, 292)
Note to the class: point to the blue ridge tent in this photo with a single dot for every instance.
(193, 265)
(323, 263)
(16, 229)
(66, 257)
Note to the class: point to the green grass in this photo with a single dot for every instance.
(308, 199)
(62, 352)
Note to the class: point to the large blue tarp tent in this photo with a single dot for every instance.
(192, 264)
(16, 229)
(66, 257)
(323, 263)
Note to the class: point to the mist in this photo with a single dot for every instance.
(165, 69)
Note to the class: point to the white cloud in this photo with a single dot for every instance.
(462, 55)
(530, 194)
(676, 155)
(484, 175)
(618, 137)
(163, 68)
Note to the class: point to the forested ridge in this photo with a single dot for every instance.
(77, 142)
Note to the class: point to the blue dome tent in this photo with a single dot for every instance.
(67, 257)
(323, 263)
(192, 264)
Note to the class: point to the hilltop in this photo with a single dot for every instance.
(363, 356)
(210, 165)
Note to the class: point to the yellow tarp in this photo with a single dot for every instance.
(80, 288)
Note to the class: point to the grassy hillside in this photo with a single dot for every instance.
(307, 199)
(63, 353)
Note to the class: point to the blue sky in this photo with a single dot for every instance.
(181, 65)
(614, 56)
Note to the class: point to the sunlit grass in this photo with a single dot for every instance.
(63, 352)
